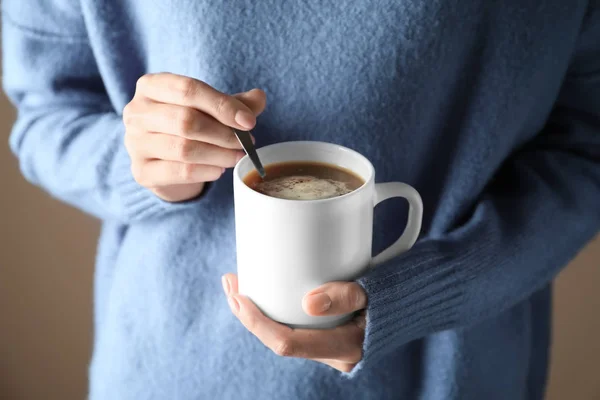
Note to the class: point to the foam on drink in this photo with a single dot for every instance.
(304, 180)
(303, 188)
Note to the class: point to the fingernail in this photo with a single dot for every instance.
(320, 301)
(240, 155)
(223, 170)
(225, 284)
(245, 119)
(233, 304)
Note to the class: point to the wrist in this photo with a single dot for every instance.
(179, 193)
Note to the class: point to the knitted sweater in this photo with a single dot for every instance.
(491, 110)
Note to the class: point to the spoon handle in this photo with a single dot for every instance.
(246, 142)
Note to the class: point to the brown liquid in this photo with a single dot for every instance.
(304, 180)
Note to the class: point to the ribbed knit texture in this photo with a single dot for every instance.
(491, 110)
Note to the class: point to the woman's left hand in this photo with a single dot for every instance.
(340, 347)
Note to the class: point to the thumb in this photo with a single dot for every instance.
(335, 298)
(254, 99)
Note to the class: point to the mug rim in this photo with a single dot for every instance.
(237, 174)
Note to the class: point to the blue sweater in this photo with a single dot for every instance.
(490, 109)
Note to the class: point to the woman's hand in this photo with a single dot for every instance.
(340, 348)
(178, 133)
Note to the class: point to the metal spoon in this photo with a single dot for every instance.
(246, 142)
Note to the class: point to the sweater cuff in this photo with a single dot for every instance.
(139, 203)
(409, 297)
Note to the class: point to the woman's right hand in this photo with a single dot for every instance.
(178, 133)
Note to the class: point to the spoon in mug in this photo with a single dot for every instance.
(246, 141)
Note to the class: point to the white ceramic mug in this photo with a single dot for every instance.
(286, 248)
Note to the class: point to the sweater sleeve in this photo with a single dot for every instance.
(536, 214)
(68, 137)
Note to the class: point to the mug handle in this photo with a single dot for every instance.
(384, 191)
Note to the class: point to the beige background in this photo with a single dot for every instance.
(46, 267)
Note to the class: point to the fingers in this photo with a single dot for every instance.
(339, 365)
(189, 92)
(335, 298)
(343, 343)
(157, 173)
(255, 99)
(175, 148)
(339, 348)
(230, 284)
(178, 133)
(181, 121)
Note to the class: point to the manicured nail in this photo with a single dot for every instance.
(245, 119)
(320, 301)
(226, 286)
(233, 304)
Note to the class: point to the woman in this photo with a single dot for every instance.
(491, 110)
